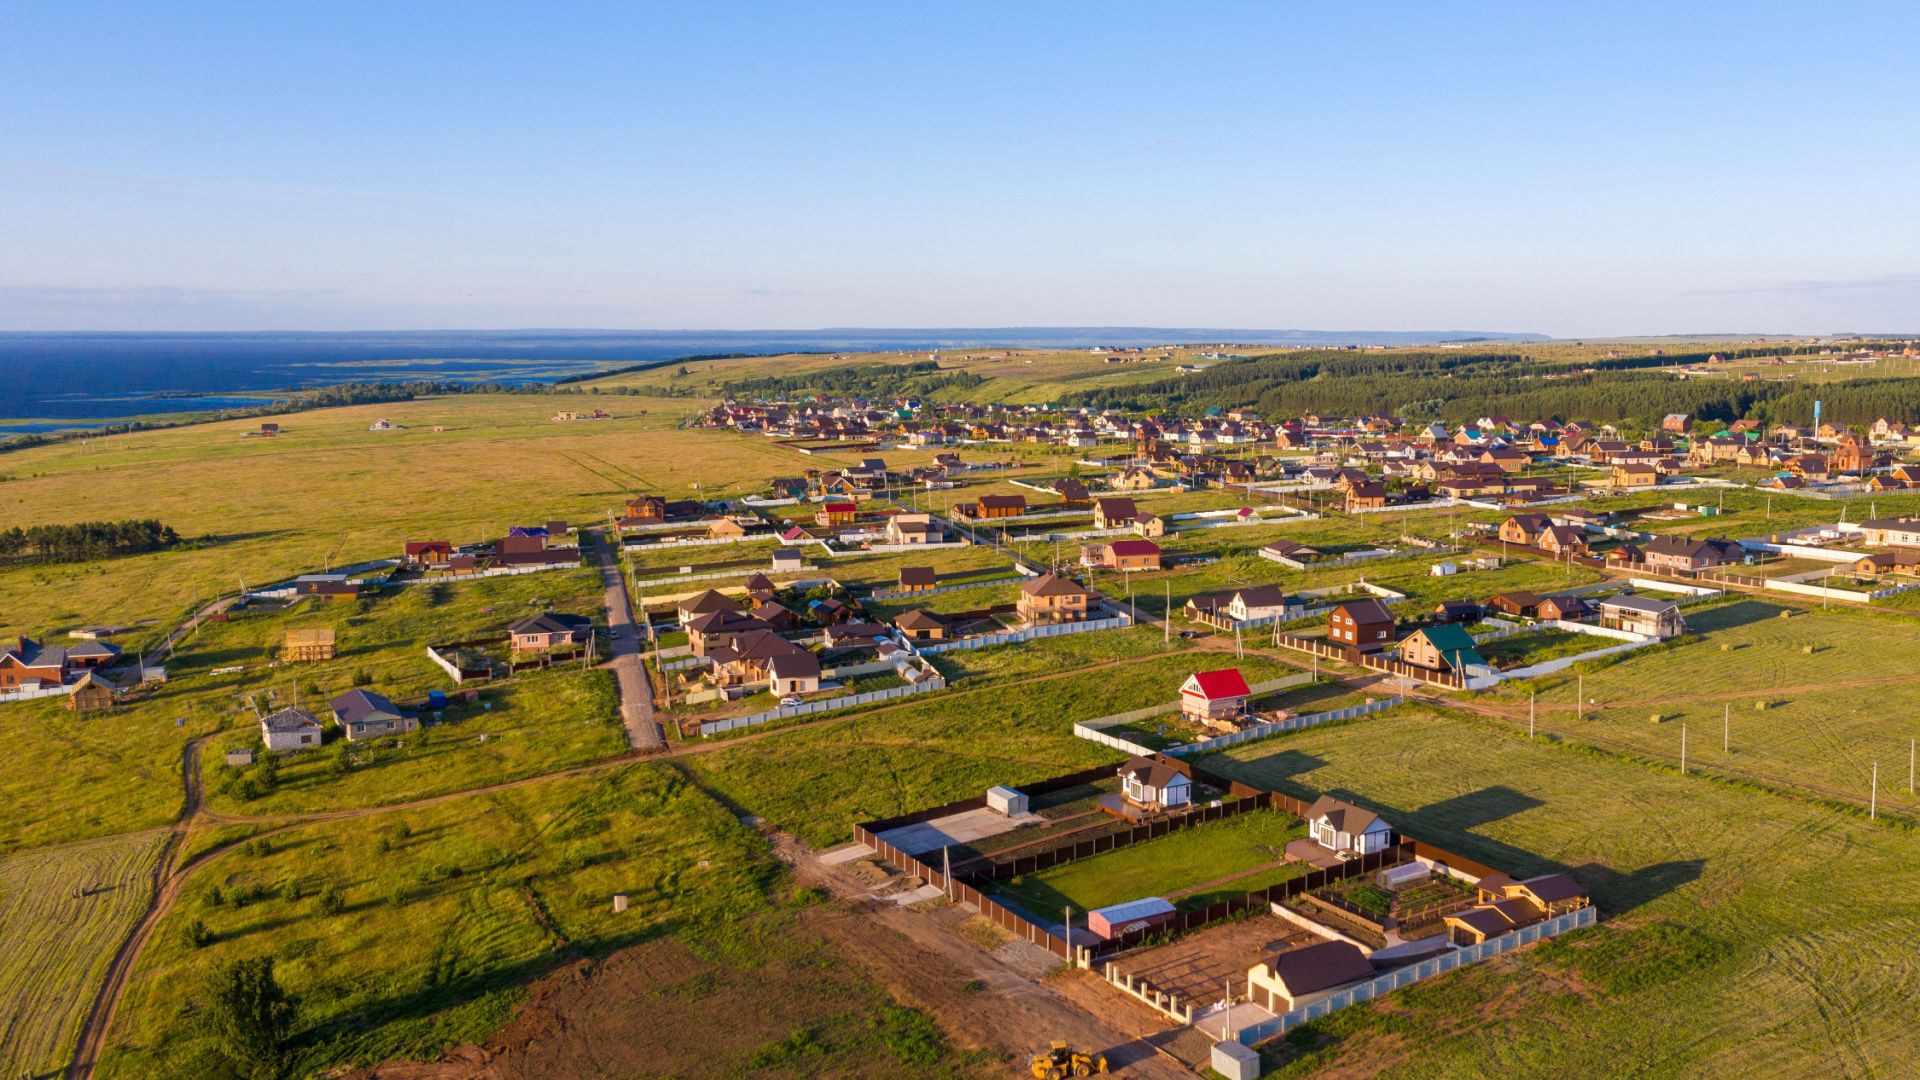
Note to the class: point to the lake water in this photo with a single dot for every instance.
(105, 376)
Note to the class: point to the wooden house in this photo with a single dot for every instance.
(1366, 625)
(308, 644)
(92, 691)
(1213, 695)
(1441, 647)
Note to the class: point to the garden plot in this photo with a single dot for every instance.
(1192, 867)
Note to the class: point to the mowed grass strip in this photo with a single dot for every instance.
(63, 913)
(1175, 863)
(1743, 932)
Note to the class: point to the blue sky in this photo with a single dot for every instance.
(1568, 169)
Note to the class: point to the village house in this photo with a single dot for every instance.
(922, 625)
(1524, 528)
(989, 507)
(1369, 495)
(335, 587)
(1904, 560)
(1132, 478)
(1564, 540)
(1299, 977)
(1289, 549)
(427, 553)
(1507, 905)
(1642, 615)
(915, 579)
(1518, 603)
(834, 513)
(1214, 695)
(1456, 611)
(1346, 829)
(290, 729)
(1153, 526)
(793, 673)
(363, 714)
(1130, 555)
(787, 559)
(776, 616)
(549, 630)
(645, 510)
(714, 630)
(1903, 531)
(1156, 782)
(1441, 647)
(760, 587)
(1113, 513)
(1073, 493)
(1366, 625)
(745, 659)
(1562, 609)
(1633, 474)
(702, 602)
(1051, 598)
(912, 529)
(1666, 554)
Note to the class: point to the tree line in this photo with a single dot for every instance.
(85, 540)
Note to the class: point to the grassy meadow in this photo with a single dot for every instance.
(63, 913)
(1743, 932)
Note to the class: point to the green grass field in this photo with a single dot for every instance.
(447, 912)
(1831, 712)
(63, 913)
(1175, 863)
(1744, 933)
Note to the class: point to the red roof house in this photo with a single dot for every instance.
(1209, 695)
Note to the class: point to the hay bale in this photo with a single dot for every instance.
(1808, 649)
(1658, 718)
(1760, 706)
(1726, 646)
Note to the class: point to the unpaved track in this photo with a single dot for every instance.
(629, 670)
(923, 962)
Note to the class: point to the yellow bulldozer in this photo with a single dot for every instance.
(1062, 1061)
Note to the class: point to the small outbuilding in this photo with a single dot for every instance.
(1116, 919)
(1007, 801)
(1213, 695)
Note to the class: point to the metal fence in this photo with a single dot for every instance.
(987, 641)
(1413, 973)
(715, 727)
(1292, 723)
(897, 594)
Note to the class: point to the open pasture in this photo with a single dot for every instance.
(1761, 936)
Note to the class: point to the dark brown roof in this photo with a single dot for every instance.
(1554, 888)
(1366, 611)
(1155, 771)
(1051, 584)
(917, 575)
(1321, 966)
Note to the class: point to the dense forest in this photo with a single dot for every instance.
(1458, 386)
(84, 541)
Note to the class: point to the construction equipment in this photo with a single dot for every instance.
(1061, 1061)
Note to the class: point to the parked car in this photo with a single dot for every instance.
(790, 701)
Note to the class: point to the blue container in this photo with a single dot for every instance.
(436, 699)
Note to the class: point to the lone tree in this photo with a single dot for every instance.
(249, 1016)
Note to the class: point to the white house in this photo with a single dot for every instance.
(1346, 828)
(290, 729)
(1260, 602)
(1210, 695)
(1156, 782)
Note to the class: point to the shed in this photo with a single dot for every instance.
(240, 758)
(1110, 922)
(1005, 800)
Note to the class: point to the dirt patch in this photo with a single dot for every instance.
(1199, 966)
(659, 1009)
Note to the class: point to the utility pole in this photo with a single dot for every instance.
(1683, 748)
(1580, 696)
(1726, 728)
(1239, 653)
(946, 868)
(1873, 800)
(1069, 929)
(1166, 616)
(1531, 696)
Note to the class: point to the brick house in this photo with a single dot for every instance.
(1366, 625)
(1051, 598)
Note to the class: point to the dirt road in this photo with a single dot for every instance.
(636, 692)
(923, 962)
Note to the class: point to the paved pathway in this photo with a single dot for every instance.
(636, 690)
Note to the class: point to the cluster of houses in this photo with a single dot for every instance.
(359, 714)
(523, 546)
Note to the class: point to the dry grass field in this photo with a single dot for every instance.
(63, 913)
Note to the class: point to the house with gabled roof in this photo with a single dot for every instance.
(1115, 512)
(1156, 782)
(1343, 828)
(29, 663)
(1366, 625)
(291, 729)
(1212, 695)
(1052, 598)
(1298, 977)
(363, 714)
(1441, 647)
(549, 630)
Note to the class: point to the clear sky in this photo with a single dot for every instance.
(1568, 169)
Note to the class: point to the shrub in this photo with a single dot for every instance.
(196, 934)
(332, 901)
(362, 677)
